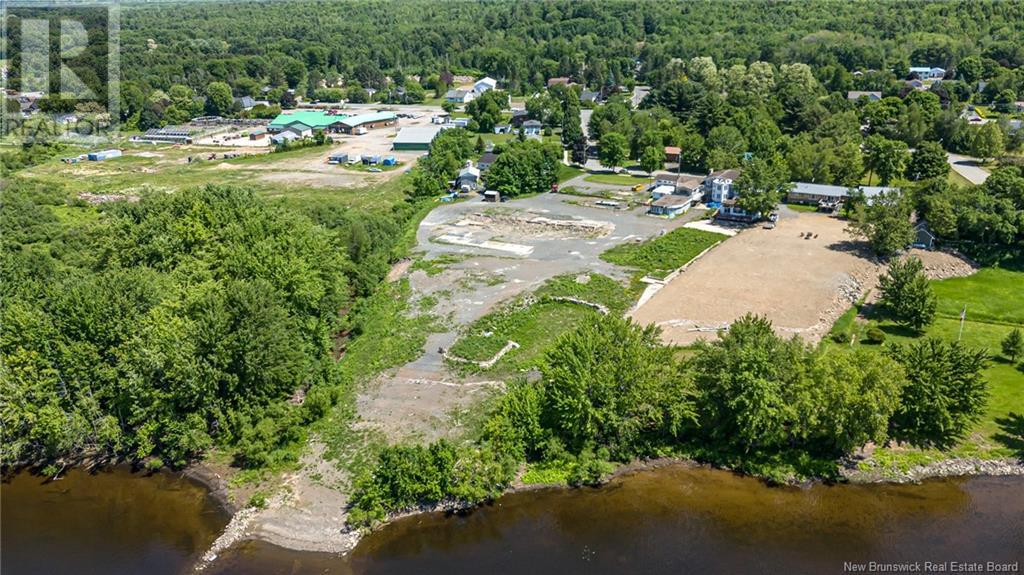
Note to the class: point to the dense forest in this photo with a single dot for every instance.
(154, 330)
(172, 53)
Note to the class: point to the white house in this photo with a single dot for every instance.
(926, 73)
(460, 96)
(722, 192)
(484, 84)
(532, 128)
(468, 178)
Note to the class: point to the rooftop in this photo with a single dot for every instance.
(417, 134)
(730, 174)
(311, 118)
(353, 121)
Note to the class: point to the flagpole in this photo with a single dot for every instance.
(963, 315)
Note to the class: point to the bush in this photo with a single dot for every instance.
(841, 337)
(876, 335)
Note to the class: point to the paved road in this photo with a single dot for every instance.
(968, 167)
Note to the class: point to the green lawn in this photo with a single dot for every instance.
(958, 180)
(995, 305)
(660, 256)
(617, 179)
(566, 173)
(802, 207)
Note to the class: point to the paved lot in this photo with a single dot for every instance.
(968, 167)
(422, 400)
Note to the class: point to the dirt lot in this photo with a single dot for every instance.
(502, 251)
(802, 285)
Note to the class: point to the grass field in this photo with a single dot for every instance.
(660, 256)
(617, 179)
(536, 323)
(995, 305)
(166, 169)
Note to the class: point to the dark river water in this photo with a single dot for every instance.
(675, 520)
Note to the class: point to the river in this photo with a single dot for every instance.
(673, 520)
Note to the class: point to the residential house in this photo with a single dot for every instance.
(691, 186)
(460, 96)
(486, 161)
(468, 179)
(518, 117)
(917, 84)
(926, 73)
(723, 195)
(484, 85)
(246, 102)
(662, 190)
(560, 81)
(672, 154)
(532, 128)
(828, 198)
(503, 129)
(855, 95)
(670, 206)
(666, 179)
(586, 96)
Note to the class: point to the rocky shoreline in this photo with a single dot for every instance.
(954, 467)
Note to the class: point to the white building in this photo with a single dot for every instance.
(484, 84)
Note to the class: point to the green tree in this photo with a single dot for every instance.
(884, 222)
(945, 391)
(525, 168)
(613, 150)
(1013, 345)
(742, 380)
(884, 157)
(928, 161)
(612, 382)
(218, 99)
(761, 184)
(907, 294)
(652, 159)
(987, 141)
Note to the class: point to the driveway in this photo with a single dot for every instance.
(968, 167)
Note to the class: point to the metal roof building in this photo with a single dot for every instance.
(416, 138)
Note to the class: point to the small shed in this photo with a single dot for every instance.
(390, 161)
(371, 160)
(340, 158)
(923, 236)
(492, 196)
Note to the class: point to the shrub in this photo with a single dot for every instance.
(876, 335)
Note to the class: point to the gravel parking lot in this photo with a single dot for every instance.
(801, 284)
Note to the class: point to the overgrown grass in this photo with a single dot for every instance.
(387, 334)
(595, 288)
(536, 322)
(658, 257)
(435, 266)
